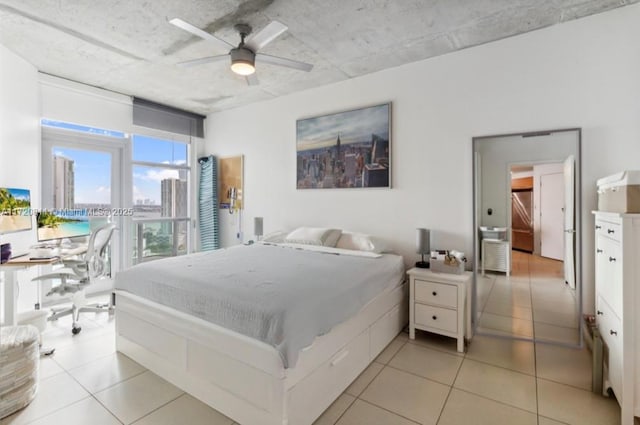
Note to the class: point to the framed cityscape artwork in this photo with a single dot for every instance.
(349, 149)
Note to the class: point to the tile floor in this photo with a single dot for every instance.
(534, 302)
(497, 381)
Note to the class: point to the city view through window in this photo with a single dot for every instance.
(160, 222)
(160, 195)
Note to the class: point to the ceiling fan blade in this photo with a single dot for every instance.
(252, 79)
(266, 35)
(289, 63)
(200, 33)
(201, 61)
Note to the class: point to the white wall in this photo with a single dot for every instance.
(20, 144)
(579, 74)
(19, 133)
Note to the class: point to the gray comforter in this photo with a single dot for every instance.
(283, 296)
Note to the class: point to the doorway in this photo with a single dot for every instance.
(526, 183)
(83, 172)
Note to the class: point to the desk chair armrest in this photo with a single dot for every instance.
(65, 273)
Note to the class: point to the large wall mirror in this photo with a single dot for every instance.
(527, 236)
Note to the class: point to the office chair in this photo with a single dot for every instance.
(79, 273)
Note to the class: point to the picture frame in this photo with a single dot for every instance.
(347, 149)
(231, 178)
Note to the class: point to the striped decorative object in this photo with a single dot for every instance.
(19, 362)
(208, 204)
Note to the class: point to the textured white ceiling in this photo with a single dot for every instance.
(129, 47)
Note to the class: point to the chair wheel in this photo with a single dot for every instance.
(76, 330)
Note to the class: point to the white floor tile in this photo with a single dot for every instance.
(506, 325)
(132, 399)
(571, 366)
(357, 387)
(502, 385)
(362, 413)
(87, 411)
(48, 367)
(185, 410)
(498, 306)
(337, 409)
(575, 406)
(546, 332)
(465, 408)
(391, 349)
(436, 342)
(546, 421)
(436, 365)
(54, 393)
(105, 372)
(503, 352)
(410, 396)
(85, 351)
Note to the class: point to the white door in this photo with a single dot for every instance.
(569, 222)
(82, 171)
(552, 216)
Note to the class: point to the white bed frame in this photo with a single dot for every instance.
(244, 378)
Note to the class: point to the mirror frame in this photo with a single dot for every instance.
(578, 230)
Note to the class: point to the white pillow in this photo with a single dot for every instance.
(314, 236)
(360, 242)
(274, 237)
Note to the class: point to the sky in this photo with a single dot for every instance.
(352, 126)
(92, 169)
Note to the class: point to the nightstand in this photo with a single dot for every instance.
(440, 303)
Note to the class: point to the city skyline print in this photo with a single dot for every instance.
(349, 149)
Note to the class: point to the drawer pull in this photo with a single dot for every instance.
(434, 293)
(612, 259)
(598, 227)
(612, 332)
(609, 231)
(340, 358)
(434, 317)
(599, 313)
(599, 251)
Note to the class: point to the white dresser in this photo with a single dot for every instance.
(440, 303)
(617, 266)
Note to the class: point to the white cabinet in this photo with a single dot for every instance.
(617, 264)
(496, 255)
(440, 303)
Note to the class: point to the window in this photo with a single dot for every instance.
(81, 169)
(106, 170)
(161, 182)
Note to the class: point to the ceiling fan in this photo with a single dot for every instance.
(244, 56)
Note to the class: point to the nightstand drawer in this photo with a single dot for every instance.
(436, 293)
(436, 317)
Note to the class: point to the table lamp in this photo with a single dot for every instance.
(423, 246)
(257, 227)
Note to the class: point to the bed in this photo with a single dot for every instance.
(268, 334)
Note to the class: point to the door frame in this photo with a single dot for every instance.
(119, 149)
(477, 205)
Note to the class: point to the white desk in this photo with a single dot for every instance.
(11, 269)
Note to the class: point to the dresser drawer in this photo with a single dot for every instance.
(610, 328)
(609, 324)
(609, 272)
(609, 229)
(439, 294)
(436, 317)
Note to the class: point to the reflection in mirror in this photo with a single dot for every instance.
(527, 243)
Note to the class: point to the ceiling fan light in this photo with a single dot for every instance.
(241, 67)
(243, 61)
